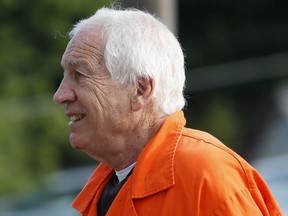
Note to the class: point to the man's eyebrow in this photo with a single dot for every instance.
(74, 63)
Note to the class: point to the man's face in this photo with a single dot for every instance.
(98, 107)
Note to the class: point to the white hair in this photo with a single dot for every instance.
(137, 45)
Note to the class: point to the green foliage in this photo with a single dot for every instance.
(221, 120)
(33, 131)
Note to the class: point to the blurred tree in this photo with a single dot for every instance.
(33, 134)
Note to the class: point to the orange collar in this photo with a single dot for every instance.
(153, 172)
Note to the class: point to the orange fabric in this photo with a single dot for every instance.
(183, 172)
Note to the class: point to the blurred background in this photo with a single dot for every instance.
(237, 89)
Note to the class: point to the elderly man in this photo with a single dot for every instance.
(123, 92)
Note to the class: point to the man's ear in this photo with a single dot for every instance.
(143, 93)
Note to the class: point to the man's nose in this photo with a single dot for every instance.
(64, 93)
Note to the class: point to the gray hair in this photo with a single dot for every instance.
(137, 45)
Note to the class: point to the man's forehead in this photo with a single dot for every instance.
(79, 48)
(87, 36)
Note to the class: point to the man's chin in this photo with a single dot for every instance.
(77, 147)
(76, 143)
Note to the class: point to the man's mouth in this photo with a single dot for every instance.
(75, 118)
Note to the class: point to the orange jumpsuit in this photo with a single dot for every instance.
(182, 171)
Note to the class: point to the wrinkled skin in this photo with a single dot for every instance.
(111, 123)
(87, 89)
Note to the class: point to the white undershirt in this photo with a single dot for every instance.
(121, 174)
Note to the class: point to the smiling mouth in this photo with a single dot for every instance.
(75, 118)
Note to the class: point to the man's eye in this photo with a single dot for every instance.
(77, 75)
